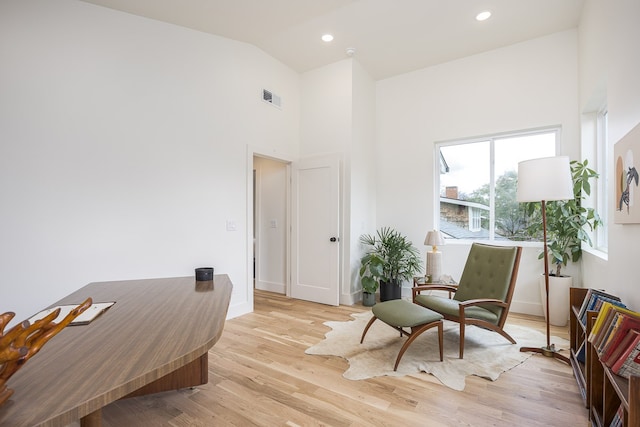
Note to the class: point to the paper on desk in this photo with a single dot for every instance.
(83, 319)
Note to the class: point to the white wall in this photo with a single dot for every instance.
(362, 181)
(609, 70)
(123, 149)
(326, 109)
(523, 86)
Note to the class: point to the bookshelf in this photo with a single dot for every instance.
(602, 391)
(578, 334)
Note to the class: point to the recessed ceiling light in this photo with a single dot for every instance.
(483, 16)
(327, 38)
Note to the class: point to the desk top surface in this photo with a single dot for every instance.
(155, 327)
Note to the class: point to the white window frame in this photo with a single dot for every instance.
(595, 148)
(475, 219)
(601, 235)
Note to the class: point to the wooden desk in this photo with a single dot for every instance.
(155, 338)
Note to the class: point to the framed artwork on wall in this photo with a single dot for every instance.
(627, 164)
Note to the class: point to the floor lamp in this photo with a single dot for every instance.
(543, 180)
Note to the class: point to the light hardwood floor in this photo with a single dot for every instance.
(259, 375)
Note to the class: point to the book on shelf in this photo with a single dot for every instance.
(83, 318)
(618, 418)
(615, 337)
(613, 356)
(611, 320)
(581, 354)
(613, 353)
(606, 315)
(611, 338)
(629, 362)
(629, 321)
(593, 301)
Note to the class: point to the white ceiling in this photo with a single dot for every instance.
(390, 36)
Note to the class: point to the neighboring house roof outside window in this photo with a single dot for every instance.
(454, 231)
(464, 203)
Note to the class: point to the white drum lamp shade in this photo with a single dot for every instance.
(434, 258)
(548, 178)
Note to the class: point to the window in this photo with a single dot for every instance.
(475, 215)
(601, 237)
(595, 149)
(477, 183)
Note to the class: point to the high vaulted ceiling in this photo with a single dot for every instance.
(390, 37)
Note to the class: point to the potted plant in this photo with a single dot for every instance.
(395, 254)
(566, 223)
(370, 274)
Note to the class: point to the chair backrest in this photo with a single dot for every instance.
(490, 272)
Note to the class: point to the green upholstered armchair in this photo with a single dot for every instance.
(483, 296)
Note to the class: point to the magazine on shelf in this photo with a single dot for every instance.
(593, 302)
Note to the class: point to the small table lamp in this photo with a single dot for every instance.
(434, 258)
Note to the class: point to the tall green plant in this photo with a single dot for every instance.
(566, 219)
(390, 257)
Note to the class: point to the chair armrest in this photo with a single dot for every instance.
(448, 288)
(474, 302)
(480, 301)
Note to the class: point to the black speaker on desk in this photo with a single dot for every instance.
(204, 274)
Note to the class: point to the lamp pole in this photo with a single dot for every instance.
(550, 349)
(545, 179)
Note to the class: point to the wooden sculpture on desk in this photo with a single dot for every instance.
(24, 340)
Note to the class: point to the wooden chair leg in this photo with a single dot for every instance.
(373, 319)
(415, 333)
(441, 339)
(506, 336)
(484, 325)
(461, 339)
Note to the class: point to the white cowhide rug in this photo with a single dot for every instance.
(486, 354)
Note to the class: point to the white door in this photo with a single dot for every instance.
(315, 242)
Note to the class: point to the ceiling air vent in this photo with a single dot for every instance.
(271, 98)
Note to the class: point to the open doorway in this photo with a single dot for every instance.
(270, 224)
(294, 211)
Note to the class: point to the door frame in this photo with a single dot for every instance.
(259, 229)
(279, 157)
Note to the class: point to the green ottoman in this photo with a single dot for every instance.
(401, 314)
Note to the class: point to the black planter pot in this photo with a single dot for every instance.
(390, 290)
